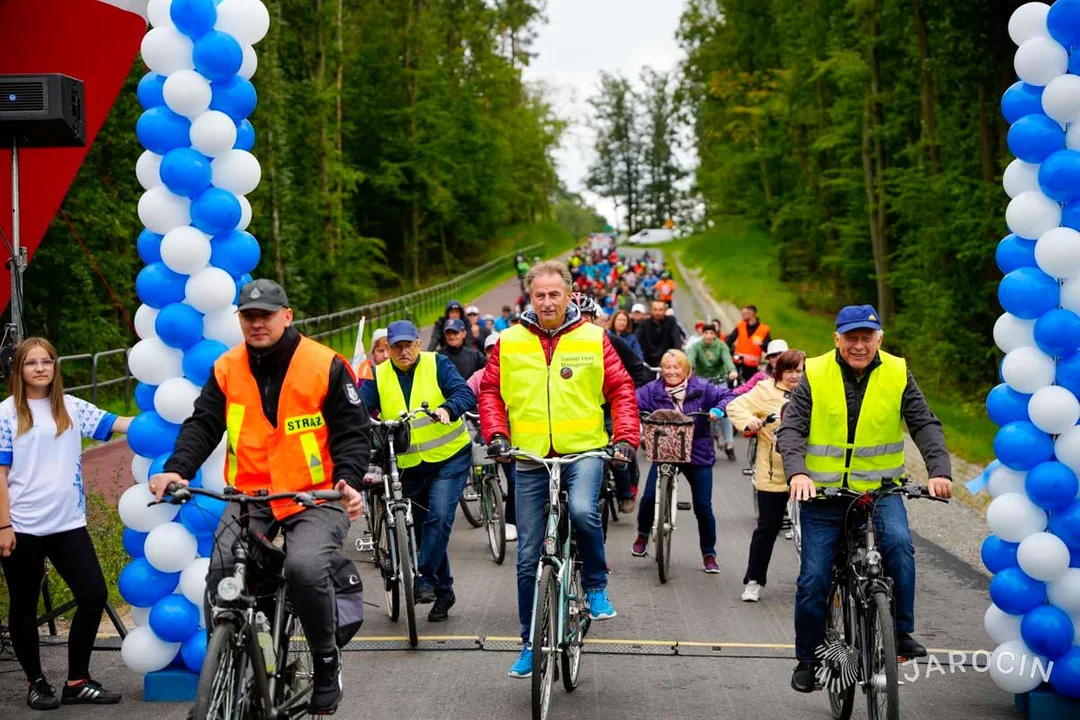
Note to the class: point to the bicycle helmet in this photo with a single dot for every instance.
(585, 304)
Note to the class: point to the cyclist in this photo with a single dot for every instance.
(544, 390)
(503, 321)
(711, 359)
(464, 356)
(477, 331)
(665, 289)
(836, 431)
(772, 351)
(750, 336)
(473, 382)
(294, 421)
(637, 314)
(435, 467)
(658, 333)
(380, 351)
(621, 325)
(454, 309)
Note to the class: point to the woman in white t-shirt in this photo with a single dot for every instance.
(43, 515)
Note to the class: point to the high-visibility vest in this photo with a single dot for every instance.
(750, 346)
(556, 404)
(293, 456)
(877, 455)
(429, 441)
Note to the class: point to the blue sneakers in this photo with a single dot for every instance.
(600, 608)
(523, 667)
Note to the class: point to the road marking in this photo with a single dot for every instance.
(763, 646)
(605, 641)
(429, 638)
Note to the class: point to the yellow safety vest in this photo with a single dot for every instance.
(557, 404)
(430, 441)
(877, 455)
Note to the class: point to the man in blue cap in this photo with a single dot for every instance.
(844, 426)
(435, 466)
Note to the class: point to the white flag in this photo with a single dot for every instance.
(359, 356)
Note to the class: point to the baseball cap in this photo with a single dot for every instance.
(491, 340)
(776, 347)
(401, 330)
(856, 317)
(453, 305)
(637, 308)
(472, 310)
(262, 294)
(454, 325)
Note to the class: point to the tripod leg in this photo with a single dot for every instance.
(46, 597)
(117, 622)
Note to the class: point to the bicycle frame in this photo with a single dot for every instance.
(666, 473)
(394, 498)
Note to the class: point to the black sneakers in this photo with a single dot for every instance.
(326, 694)
(804, 678)
(440, 611)
(423, 594)
(88, 692)
(908, 647)
(41, 695)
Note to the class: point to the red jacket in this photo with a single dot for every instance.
(618, 387)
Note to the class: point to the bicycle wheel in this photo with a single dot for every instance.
(470, 500)
(838, 630)
(796, 525)
(385, 561)
(223, 688)
(494, 517)
(883, 695)
(405, 566)
(297, 670)
(666, 525)
(545, 642)
(577, 624)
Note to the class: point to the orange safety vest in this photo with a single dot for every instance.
(367, 370)
(293, 456)
(749, 346)
(665, 290)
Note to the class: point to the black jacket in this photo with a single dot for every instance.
(657, 338)
(639, 373)
(438, 339)
(466, 359)
(346, 417)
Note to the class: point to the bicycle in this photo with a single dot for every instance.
(560, 618)
(485, 484)
(860, 635)
(609, 499)
(242, 672)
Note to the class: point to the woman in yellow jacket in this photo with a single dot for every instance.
(748, 413)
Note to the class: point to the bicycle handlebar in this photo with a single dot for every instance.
(913, 492)
(180, 494)
(519, 454)
(408, 416)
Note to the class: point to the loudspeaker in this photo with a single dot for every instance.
(43, 110)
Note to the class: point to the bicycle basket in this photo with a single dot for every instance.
(668, 437)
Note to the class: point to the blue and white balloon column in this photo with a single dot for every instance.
(1034, 551)
(196, 170)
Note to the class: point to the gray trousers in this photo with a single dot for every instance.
(312, 536)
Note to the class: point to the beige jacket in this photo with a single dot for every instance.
(763, 400)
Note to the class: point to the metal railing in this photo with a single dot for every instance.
(92, 372)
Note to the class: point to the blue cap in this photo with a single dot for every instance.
(401, 330)
(454, 325)
(857, 317)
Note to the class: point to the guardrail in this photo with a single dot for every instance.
(84, 373)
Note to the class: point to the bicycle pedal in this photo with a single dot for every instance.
(365, 545)
(683, 505)
(788, 535)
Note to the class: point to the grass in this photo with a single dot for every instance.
(736, 260)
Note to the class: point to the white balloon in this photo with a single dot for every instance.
(187, 93)
(1028, 369)
(170, 547)
(144, 652)
(213, 472)
(1040, 59)
(1011, 332)
(221, 449)
(1005, 480)
(223, 326)
(1028, 21)
(1030, 214)
(1020, 177)
(1070, 293)
(1043, 556)
(137, 515)
(245, 213)
(166, 50)
(1072, 137)
(1064, 592)
(1054, 409)
(999, 625)
(158, 13)
(213, 133)
(1015, 668)
(1067, 449)
(175, 398)
(140, 615)
(1012, 517)
(236, 171)
(161, 210)
(250, 64)
(1058, 252)
(153, 362)
(145, 317)
(148, 170)
(193, 580)
(140, 468)
(185, 250)
(1061, 98)
(209, 290)
(246, 20)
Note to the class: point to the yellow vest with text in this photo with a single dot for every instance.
(429, 441)
(556, 405)
(877, 455)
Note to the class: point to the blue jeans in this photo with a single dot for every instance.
(531, 494)
(822, 528)
(434, 503)
(700, 479)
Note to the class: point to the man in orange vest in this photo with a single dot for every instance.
(294, 421)
(748, 342)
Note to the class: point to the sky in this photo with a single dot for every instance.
(582, 38)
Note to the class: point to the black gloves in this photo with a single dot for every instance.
(499, 446)
(624, 452)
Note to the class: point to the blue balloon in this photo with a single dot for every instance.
(144, 396)
(1021, 446)
(244, 280)
(1051, 485)
(1059, 176)
(1005, 405)
(158, 286)
(1063, 22)
(151, 90)
(199, 360)
(998, 555)
(1057, 332)
(142, 585)
(150, 435)
(1033, 138)
(1015, 592)
(236, 97)
(186, 172)
(215, 212)
(1070, 216)
(149, 246)
(1065, 523)
(1021, 100)
(179, 325)
(1067, 374)
(1065, 677)
(236, 252)
(1028, 292)
(201, 515)
(194, 18)
(160, 130)
(245, 136)
(1047, 630)
(206, 545)
(174, 618)
(1014, 252)
(134, 542)
(193, 651)
(158, 465)
(217, 55)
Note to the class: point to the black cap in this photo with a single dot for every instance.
(262, 294)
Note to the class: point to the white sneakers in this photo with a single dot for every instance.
(752, 593)
(511, 533)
